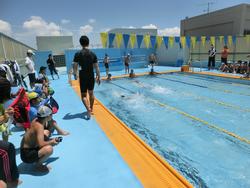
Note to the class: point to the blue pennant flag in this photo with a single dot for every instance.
(111, 39)
(139, 39)
(234, 39)
(153, 40)
(177, 39)
(188, 41)
(225, 40)
(165, 39)
(126, 39)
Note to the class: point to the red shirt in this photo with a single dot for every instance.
(224, 53)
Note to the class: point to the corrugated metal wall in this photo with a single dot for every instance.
(11, 49)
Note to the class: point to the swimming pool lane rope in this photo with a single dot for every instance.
(201, 86)
(190, 116)
(207, 99)
(209, 79)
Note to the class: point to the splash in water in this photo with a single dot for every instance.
(161, 90)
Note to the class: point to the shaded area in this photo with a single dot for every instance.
(83, 115)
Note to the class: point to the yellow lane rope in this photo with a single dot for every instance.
(202, 121)
(197, 119)
(227, 91)
(210, 100)
(148, 166)
(218, 89)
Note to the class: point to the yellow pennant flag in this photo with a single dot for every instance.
(118, 39)
(104, 39)
(248, 38)
(221, 38)
(171, 41)
(230, 40)
(193, 41)
(203, 40)
(159, 41)
(147, 40)
(132, 40)
(183, 42)
(212, 40)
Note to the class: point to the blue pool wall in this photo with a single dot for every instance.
(139, 57)
(40, 59)
(172, 55)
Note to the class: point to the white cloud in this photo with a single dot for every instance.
(128, 27)
(39, 26)
(174, 31)
(86, 29)
(65, 21)
(91, 20)
(150, 26)
(5, 27)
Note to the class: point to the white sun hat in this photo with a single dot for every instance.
(44, 111)
(30, 52)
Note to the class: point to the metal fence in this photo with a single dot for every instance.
(238, 50)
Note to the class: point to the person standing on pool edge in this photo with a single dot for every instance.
(87, 61)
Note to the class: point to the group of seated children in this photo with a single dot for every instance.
(238, 67)
(33, 111)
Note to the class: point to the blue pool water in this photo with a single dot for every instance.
(199, 125)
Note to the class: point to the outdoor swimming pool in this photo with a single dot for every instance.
(198, 124)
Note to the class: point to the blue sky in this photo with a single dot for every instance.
(25, 19)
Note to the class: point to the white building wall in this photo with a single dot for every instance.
(56, 44)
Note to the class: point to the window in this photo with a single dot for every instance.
(247, 32)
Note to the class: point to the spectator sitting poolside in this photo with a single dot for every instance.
(248, 68)
(109, 77)
(132, 74)
(8, 172)
(34, 148)
(35, 103)
(5, 114)
(42, 77)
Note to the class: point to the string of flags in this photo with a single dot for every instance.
(129, 40)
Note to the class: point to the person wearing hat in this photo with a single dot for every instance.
(51, 64)
(126, 63)
(35, 104)
(29, 63)
(42, 77)
(34, 148)
(132, 73)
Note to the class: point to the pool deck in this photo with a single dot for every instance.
(85, 158)
(91, 156)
